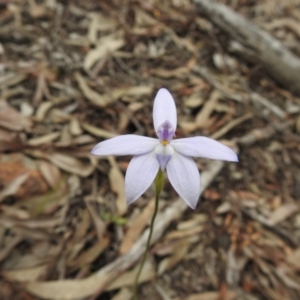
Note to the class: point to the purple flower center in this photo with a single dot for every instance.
(165, 132)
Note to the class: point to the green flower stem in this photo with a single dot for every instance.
(159, 181)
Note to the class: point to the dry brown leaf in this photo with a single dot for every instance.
(9, 141)
(50, 172)
(194, 221)
(230, 295)
(99, 23)
(15, 212)
(75, 128)
(71, 164)
(282, 273)
(194, 100)
(45, 139)
(294, 259)
(230, 125)
(103, 100)
(12, 188)
(43, 109)
(99, 224)
(135, 106)
(75, 289)
(179, 234)
(117, 184)
(106, 46)
(99, 132)
(284, 22)
(95, 98)
(188, 126)
(177, 73)
(46, 106)
(89, 255)
(134, 91)
(180, 251)
(11, 79)
(29, 223)
(12, 119)
(128, 278)
(123, 294)
(283, 212)
(76, 244)
(14, 165)
(136, 227)
(84, 139)
(202, 118)
(26, 274)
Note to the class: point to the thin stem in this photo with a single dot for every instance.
(158, 184)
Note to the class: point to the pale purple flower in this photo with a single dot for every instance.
(174, 156)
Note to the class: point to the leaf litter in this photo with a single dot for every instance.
(72, 73)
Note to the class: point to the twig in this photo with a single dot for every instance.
(279, 62)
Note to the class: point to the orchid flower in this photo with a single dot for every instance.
(172, 155)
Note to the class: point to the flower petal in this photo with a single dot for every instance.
(140, 173)
(201, 146)
(185, 178)
(164, 109)
(128, 144)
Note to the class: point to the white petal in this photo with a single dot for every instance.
(185, 178)
(128, 144)
(201, 146)
(164, 109)
(140, 173)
